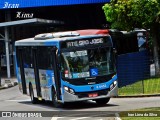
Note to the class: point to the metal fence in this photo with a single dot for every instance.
(136, 74)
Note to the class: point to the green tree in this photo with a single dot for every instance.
(130, 14)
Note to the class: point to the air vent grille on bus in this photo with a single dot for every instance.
(56, 35)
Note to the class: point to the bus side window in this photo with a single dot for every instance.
(27, 55)
(44, 57)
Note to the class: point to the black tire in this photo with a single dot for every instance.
(102, 101)
(54, 99)
(33, 99)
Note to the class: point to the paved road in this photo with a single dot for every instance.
(12, 100)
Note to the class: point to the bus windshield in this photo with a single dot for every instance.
(87, 63)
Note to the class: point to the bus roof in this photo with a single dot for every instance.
(93, 32)
(54, 38)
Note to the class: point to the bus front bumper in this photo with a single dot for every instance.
(68, 97)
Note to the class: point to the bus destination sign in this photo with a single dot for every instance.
(84, 42)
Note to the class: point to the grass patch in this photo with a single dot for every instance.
(148, 86)
(147, 113)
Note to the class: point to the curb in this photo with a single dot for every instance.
(5, 86)
(1, 88)
(137, 96)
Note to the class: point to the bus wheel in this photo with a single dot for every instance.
(102, 101)
(33, 99)
(54, 99)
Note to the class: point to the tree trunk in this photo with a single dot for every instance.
(155, 33)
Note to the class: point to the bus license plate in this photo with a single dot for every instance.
(93, 95)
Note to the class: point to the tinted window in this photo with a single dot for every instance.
(27, 57)
(44, 57)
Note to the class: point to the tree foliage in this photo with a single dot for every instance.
(130, 14)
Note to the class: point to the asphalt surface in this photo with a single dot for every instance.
(12, 99)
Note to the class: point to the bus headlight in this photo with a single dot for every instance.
(115, 83)
(69, 90)
(111, 86)
(66, 88)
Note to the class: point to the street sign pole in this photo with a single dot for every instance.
(6, 30)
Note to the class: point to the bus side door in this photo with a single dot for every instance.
(36, 71)
(47, 63)
(20, 61)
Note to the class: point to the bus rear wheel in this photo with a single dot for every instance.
(33, 99)
(102, 101)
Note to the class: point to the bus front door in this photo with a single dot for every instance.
(56, 73)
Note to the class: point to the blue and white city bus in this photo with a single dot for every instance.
(67, 67)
